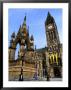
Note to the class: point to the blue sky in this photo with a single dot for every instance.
(35, 19)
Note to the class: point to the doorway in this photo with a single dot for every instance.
(57, 72)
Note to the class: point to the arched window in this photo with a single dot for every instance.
(54, 58)
(54, 35)
(49, 60)
(60, 61)
(17, 50)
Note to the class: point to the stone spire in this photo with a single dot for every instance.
(49, 19)
(24, 23)
(32, 38)
(13, 35)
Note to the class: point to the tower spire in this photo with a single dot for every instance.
(49, 15)
(35, 47)
(24, 22)
(25, 18)
(49, 19)
(28, 31)
(32, 38)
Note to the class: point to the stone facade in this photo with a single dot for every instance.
(54, 47)
(32, 63)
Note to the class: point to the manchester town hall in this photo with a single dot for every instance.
(35, 64)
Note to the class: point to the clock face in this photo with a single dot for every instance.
(50, 27)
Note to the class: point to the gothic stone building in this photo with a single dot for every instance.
(35, 63)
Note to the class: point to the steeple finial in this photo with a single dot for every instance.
(32, 38)
(35, 47)
(20, 27)
(49, 19)
(49, 14)
(28, 31)
(24, 22)
(25, 18)
(13, 35)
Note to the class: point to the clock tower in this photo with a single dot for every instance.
(53, 44)
(51, 32)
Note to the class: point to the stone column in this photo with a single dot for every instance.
(51, 72)
(40, 69)
(48, 65)
(11, 54)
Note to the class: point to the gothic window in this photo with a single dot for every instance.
(51, 59)
(54, 59)
(56, 48)
(49, 35)
(17, 50)
(54, 35)
(50, 49)
(60, 61)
